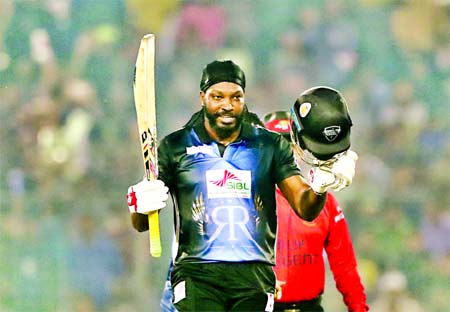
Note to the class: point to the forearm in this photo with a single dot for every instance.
(305, 202)
(352, 290)
(139, 221)
(310, 204)
(342, 259)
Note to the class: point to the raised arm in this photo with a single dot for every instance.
(302, 198)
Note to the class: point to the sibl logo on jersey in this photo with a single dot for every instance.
(229, 183)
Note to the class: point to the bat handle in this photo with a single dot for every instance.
(154, 234)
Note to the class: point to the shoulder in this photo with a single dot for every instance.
(175, 136)
(331, 199)
(332, 205)
(174, 143)
(263, 134)
(269, 141)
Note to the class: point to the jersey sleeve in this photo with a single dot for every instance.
(165, 168)
(284, 160)
(341, 257)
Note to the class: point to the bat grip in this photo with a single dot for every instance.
(154, 234)
(153, 222)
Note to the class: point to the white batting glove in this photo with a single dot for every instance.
(344, 170)
(147, 196)
(320, 180)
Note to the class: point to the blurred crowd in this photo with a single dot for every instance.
(69, 142)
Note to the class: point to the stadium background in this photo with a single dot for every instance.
(69, 146)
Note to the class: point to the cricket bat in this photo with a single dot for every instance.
(144, 101)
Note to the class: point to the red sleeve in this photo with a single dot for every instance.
(341, 257)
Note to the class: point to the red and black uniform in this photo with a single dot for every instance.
(300, 262)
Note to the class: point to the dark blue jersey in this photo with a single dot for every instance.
(225, 197)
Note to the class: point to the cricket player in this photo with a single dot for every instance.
(221, 172)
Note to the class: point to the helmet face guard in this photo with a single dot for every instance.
(308, 158)
(305, 161)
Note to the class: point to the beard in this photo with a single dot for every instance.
(223, 130)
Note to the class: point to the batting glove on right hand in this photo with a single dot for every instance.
(147, 196)
(344, 170)
(320, 180)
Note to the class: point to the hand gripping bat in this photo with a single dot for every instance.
(144, 100)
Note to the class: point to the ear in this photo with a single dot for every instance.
(201, 95)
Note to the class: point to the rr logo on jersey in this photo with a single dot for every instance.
(228, 183)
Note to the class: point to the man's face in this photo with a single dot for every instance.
(223, 104)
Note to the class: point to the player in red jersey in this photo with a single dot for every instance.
(300, 264)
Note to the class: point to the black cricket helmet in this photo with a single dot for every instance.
(320, 122)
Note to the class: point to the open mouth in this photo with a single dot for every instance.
(226, 119)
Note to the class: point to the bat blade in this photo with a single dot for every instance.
(145, 104)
